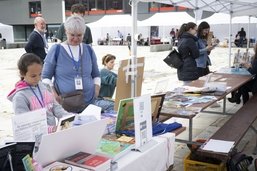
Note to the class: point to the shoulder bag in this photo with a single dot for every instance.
(174, 59)
(72, 101)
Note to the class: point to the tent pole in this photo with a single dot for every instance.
(134, 48)
(230, 35)
(248, 30)
(196, 11)
(63, 11)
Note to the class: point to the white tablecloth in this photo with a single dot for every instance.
(157, 158)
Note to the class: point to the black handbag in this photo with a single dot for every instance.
(174, 59)
(73, 101)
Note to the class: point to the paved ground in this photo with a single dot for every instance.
(155, 70)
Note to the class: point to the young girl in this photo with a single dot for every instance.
(31, 94)
(108, 78)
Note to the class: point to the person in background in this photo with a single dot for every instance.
(176, 38)
(75, 67)
(108, 78)
(203, 61)
(172, 35)
(128, 39)
(242, 36)
(250, 86)
(120, 35)
(31, 94)
(37, 42)
(187, 47)
(107, 38)
(76, 9)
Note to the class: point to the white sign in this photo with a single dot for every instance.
(30, 126)
(142, 120)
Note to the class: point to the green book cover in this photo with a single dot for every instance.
(125, 117)
(113, 149)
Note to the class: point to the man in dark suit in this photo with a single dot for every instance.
(37, 43)
(76, 9)
(242, 37)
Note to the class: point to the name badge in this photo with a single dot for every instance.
(78, 83)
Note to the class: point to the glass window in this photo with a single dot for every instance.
(69, 3)
(166, 5)
(92, 5)
(100, 4)
(114, 4)
(35, 9)
(154, 5)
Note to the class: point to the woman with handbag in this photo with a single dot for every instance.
(188, 49)
(73, 65)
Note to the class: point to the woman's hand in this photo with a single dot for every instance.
(209, 48)
(97, 89)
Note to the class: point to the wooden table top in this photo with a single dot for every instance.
(233, 82)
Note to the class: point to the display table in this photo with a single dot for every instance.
(233, 81)
(157, 158)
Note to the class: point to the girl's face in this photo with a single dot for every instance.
(33, 75)
(206, 31)
(74, 39)
(109, 65)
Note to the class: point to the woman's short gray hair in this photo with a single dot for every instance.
(75, 24)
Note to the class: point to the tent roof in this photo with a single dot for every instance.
(5, 25)
(176, 18)
(221, 18)
(238, 7)
(113, 20)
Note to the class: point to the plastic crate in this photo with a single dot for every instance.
(192, 165)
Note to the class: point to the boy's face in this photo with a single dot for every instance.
(33, 76)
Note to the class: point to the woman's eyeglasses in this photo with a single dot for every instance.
(75, 35)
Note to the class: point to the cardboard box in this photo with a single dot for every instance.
(192, 165)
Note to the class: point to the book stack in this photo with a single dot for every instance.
(113, 149)
(89, 161)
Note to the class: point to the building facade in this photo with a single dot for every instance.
(21, 13)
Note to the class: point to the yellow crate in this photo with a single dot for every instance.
(192, 165)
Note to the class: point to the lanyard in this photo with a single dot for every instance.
(41, 96)
(75, 63)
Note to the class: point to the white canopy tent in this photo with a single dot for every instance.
(219, 21)
(7, 33)
(158, 19)
(113, 20)
(232, 7)
(222, 18)
(111, 24)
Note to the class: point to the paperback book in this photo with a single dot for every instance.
(89, 161)
(113, 149)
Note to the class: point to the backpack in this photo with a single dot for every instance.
(239, 162)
